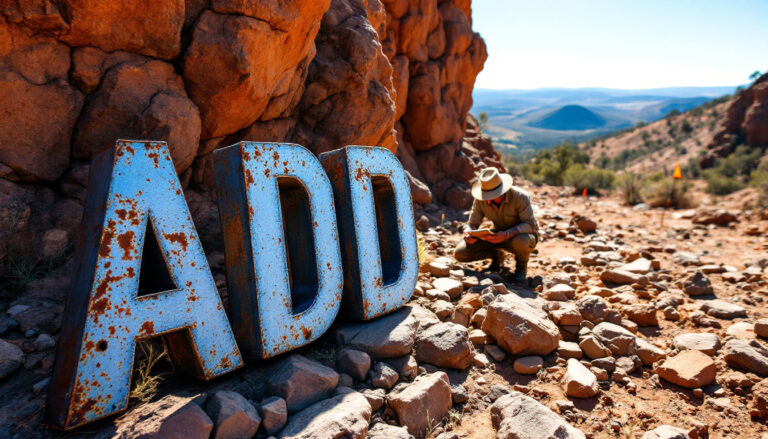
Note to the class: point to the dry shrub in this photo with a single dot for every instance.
(669, 193)
(630, 186)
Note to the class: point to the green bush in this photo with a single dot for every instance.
(549, 166)
(593, 179)
(720, 184)
(664, 191)
(630, 186)
(740, 162)
(759, 179)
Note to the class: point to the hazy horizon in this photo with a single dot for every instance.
(617, 45)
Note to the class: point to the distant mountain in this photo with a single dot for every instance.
(521, 118)
(570, 117)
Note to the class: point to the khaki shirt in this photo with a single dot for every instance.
(515, 213)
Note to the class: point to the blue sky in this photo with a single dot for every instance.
(621, 44)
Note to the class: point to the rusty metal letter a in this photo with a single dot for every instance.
(142, 273)
(284, 271)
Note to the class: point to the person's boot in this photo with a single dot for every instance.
(521, 272)
(497, 262)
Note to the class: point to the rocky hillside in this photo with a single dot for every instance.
(202, 75)
(699, 136)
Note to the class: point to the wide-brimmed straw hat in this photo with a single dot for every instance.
(491, 184)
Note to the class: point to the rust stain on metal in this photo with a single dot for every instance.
(178, 238)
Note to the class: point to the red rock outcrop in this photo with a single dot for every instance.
(746, 122)
(203, 74)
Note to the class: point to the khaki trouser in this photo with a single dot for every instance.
(520, 245)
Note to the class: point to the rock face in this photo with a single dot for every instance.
(516, 416)
(202, 75)
(519, 328)
(746, 119)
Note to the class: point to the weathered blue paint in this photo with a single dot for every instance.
(263, 313)
(375, 220)
(131, 184)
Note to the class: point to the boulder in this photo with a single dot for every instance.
(759, 404)
(171, 416)
(565, 314)
(666, 432)
(618, 339)
(354, 363)
(144, 26)
(386, 431)
(383, 376)
(389, 336)
(644, 314)
(139, 99)
(621, 277)
(344, 416)
(528, 365)
(638, 266)
(518, 328)
(593, 308)
(444, 345)
(559, 292)
(516, 416)
(717, 217)
(274, 414)
(647, 352)
(453, 287)
(700, 341)
(584, 224)
(438, 269)
(423, 402)
(761, 328)
(11, 358)
(301, 382)
(697, 284)
(223, 66)
(686, 259)
(593, 347)
(579, 382)
(568, 349)
(233, 416)
(748, 355)
(722, 309)
(691, 369)
(40, 108)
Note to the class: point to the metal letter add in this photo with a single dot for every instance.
(378, 235)
(142, 273)
(284, 271)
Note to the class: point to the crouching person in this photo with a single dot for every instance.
(515, 229)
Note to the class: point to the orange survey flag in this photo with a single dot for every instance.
(584, 194)
(678, 172)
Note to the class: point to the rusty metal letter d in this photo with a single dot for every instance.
(378, 236)
(284, 271)
(142, 274)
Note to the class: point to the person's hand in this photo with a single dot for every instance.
(496, 238)
(469, 239)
